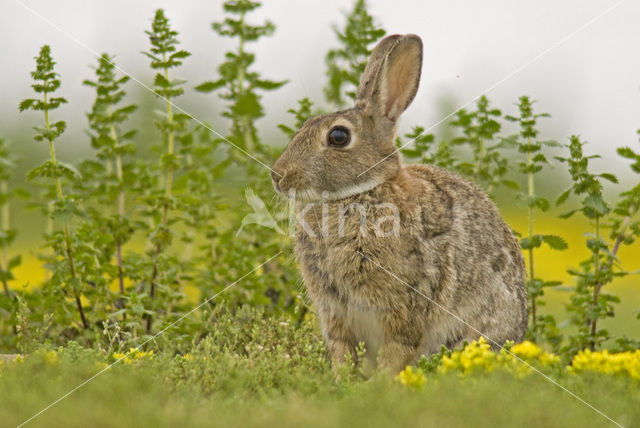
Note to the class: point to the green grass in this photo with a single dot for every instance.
(251, 370)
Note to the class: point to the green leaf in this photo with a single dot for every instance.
(542, 204)
(70, 168)
(210, 86)
(180, 54)
(612, 178)
(530, 242)
(555, 242)
(161, 81)
(26, 104)
(563, 197)
(567, 214)
(268, 84)
(14, 262)
(597, 204)
(511, 184)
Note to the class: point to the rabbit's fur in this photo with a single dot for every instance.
(402, 258)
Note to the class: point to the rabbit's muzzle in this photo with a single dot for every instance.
(285, 181)
(275, 178)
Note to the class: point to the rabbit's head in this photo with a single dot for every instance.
(332, 155)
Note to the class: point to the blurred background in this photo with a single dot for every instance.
(589, 83)
(589, 80)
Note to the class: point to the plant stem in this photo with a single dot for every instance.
(67, 234)
(530, 216)
(4, 189)
(245, 125)
(114, 137)
(596, 288)
(614, 251)
(479, 160)
(167, 194)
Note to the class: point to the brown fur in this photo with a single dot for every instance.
(451, 246)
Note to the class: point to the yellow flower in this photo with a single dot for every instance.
(133, 355)
(51, 358)
(529, 351)
(476, 355)
(526, 350)
(604, 362)
(411, 377)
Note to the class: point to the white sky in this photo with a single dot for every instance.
(590, 83)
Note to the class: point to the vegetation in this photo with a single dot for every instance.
(159, 280)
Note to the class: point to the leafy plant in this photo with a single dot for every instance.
(105, 120)
(347, 63)
(300, 115)
(529, 145)
(7, 233)
(236, 77)
(164, 56)
(588, 304)
(46, 83)
(422, 149)
(488, 166)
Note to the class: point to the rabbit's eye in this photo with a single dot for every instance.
(339, 136)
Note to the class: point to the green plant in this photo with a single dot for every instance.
(529, 145)
(422, 149)
(231, 249)
(347, 63)
(164, 56)
(300, 115)
(488, 166)
(46, 83)
(105, 120)
(182, 198)
(236, 77)
(588, 304)
(7, 233)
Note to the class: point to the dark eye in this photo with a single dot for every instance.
(339, 136)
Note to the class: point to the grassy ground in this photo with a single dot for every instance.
(251, 370)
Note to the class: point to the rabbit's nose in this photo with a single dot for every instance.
(276, 177)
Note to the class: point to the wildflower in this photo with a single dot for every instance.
(51, 358)
(476, 355)
(604, 362)
(411, 377)
(529, 351)
(133, 355)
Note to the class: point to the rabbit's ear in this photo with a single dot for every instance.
(390, 80)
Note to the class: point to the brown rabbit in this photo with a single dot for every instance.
(402, 258)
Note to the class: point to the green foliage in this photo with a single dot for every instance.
(65, 278)
(250, 361)
(164, 56)
(588, 303)
(542, 327)
(135, 239)
(117, 175)
(346, 64)
(488, 166)
(241, 84)
(300, 115)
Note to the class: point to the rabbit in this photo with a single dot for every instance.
(405, 258)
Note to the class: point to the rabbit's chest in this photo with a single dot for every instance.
(339, 251)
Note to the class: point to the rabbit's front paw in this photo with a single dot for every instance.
(396, 356)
